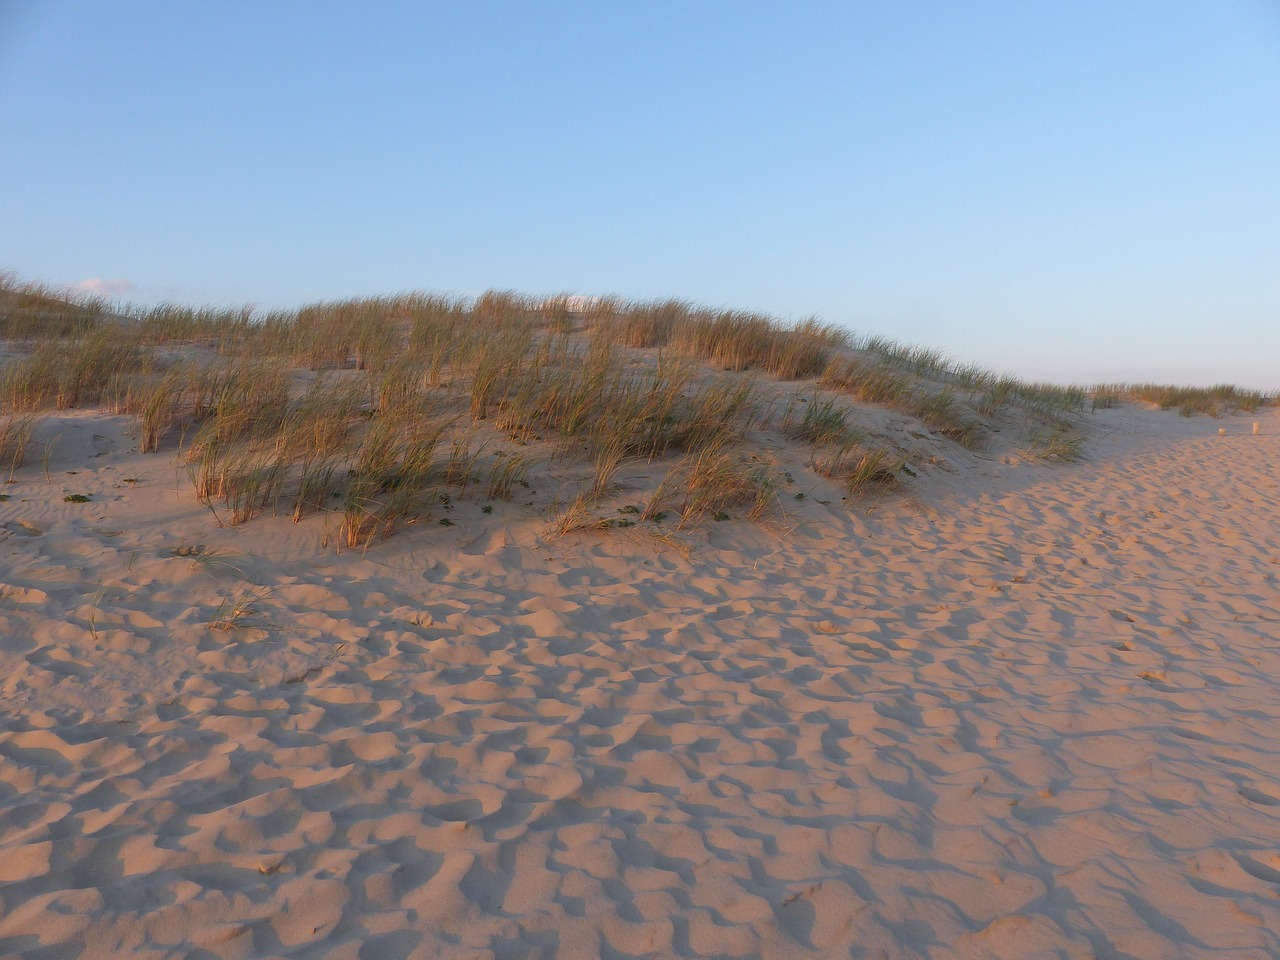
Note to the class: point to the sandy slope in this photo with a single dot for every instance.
(1029, 712)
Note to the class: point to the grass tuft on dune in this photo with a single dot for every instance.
(377, 409)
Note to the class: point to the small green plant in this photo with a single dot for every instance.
(572, 517)
(823, 421)
(47, 455)
(868, 380)
(1059, 446)
(37, 310)
(1192, 401)
(94, 610)
(609, 457)
(241, 609)
(210, 560)
(945, 413)
(75, 498)
(717, 478)
(15, 439)
(506, 471)
(865, 469)
(1104, 400)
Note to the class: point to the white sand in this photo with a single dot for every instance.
(1031, 711)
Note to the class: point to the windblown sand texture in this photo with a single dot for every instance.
(1024, 712)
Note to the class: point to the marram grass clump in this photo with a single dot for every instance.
(381, 412)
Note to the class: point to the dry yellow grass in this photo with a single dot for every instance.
(373, 408)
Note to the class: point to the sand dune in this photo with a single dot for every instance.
(1026, 711)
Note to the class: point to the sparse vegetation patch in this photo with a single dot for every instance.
(380, 410)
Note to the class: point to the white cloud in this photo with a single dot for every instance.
(106, 288)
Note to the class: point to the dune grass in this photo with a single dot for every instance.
(16, 433)
(71, 372)
(817, 421)
(1222, 399)
(1058, 445)
(30, 311)
(379, 410)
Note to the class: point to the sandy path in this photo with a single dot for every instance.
(1038, 718)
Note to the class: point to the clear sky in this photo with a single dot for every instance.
(1076, 191)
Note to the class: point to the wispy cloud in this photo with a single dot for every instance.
(106, 288)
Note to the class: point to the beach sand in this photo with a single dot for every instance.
(1024, 711)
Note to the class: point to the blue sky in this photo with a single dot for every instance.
(1069, 191)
